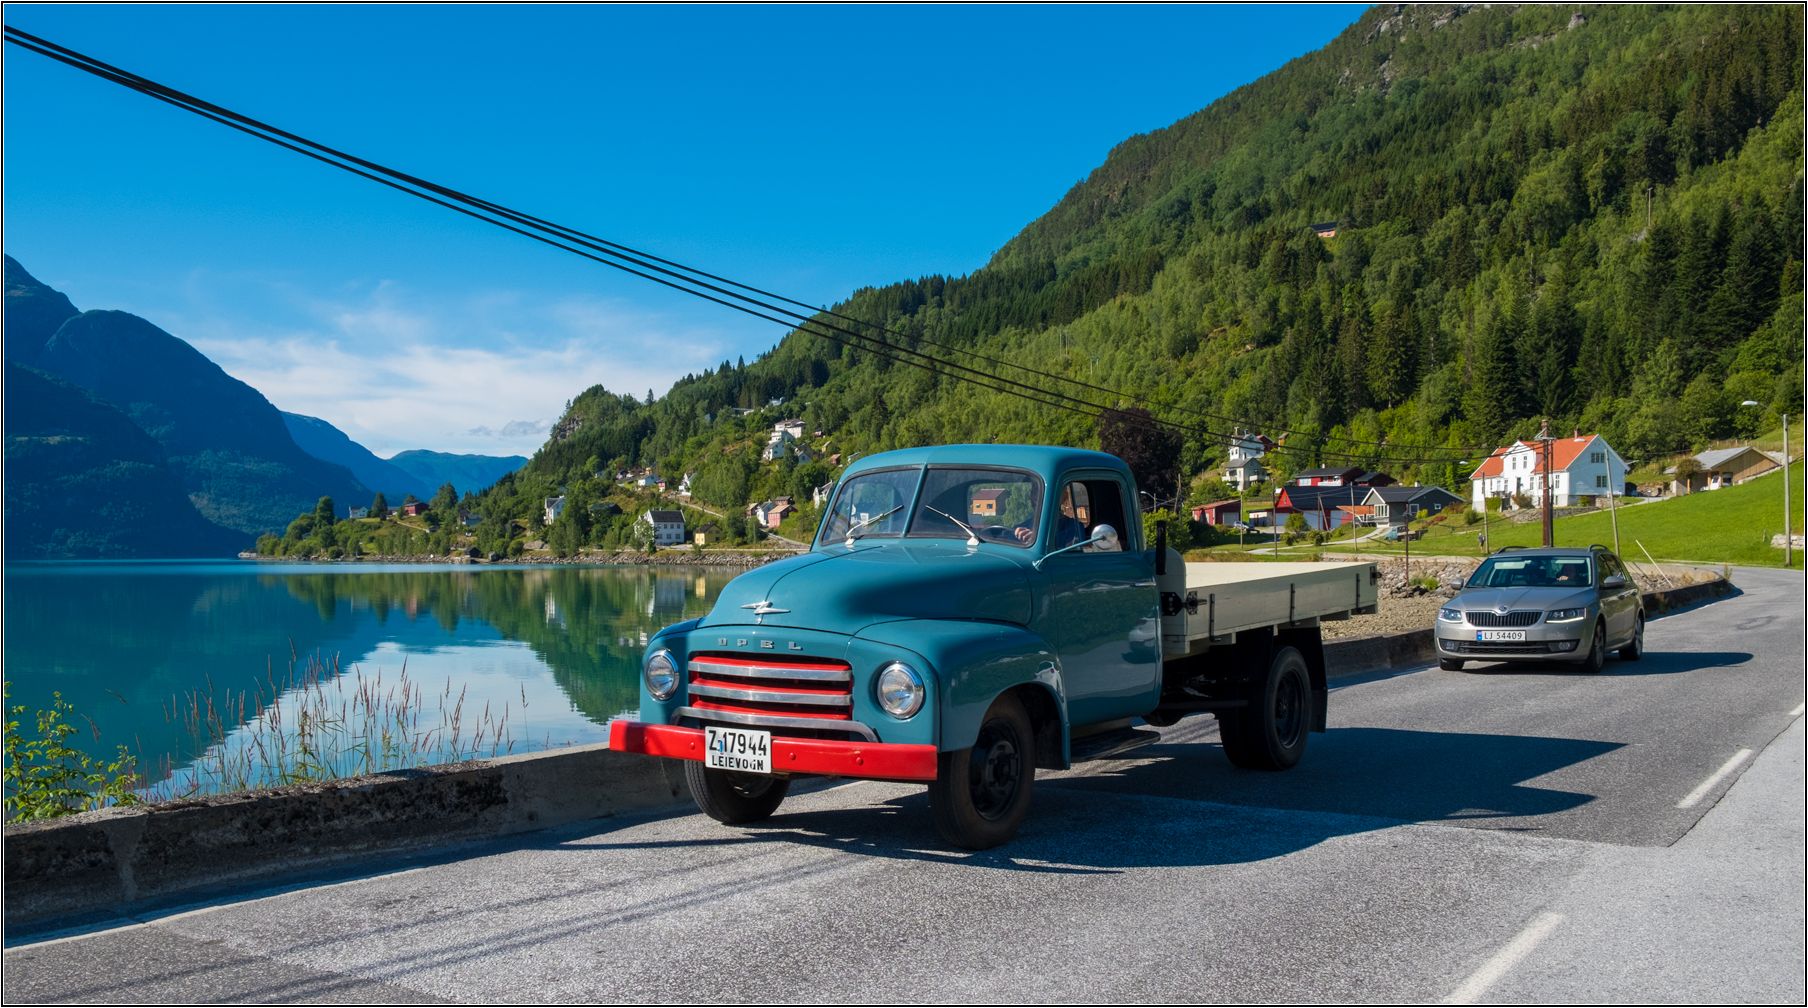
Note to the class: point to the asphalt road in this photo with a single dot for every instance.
(1532, 836)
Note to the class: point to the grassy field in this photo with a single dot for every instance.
(1731, 526)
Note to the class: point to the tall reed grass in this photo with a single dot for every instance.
(319, 723)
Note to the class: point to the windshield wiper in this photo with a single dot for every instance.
(862, 524)
(972, 537)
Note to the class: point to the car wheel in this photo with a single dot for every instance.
(1635, 648)
(735, 798)
(981, 794)
(1270, 733)
(1597, 650)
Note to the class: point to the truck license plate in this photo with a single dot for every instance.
(737, 749)
(1488, 635)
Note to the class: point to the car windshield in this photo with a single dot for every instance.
(1533, 572)
(991, 505)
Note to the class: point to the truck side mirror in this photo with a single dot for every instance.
(1103, 536)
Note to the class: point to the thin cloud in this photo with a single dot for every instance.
(395, 374)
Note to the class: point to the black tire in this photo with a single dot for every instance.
(1270, 734)
(981, 794)
(1597, 650)
(1635, 648)
(1450, 664)
(735, 798)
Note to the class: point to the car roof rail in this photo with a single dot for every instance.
(1598, 546)
(1508, 549)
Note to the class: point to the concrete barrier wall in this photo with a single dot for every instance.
(103, 861)
(106, 861)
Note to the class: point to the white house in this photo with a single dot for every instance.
(1582, 465)
(1245, 474)
(778, 444)
(668, 526)
(555, 506)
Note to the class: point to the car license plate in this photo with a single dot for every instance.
(737, 749)
(1488, 635)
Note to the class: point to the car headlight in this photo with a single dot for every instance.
(900, 690)
(661, 675)
(1565, 615)
(1450, 615)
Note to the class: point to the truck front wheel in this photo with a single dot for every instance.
(981, 794)
(735, 798)
(1270, 733)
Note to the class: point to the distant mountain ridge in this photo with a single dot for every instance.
(225, 444)
(418, 472)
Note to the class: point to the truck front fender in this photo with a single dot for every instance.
(974, 663)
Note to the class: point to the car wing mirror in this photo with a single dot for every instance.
(1614, 581)
(1103, 536)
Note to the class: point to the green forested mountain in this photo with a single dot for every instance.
(83, 481)
(1589, 214)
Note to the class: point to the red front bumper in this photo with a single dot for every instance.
(870, 760)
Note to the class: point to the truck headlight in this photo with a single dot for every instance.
(900, 690)
(1450, 615)
(1565, 615)
(661, 675)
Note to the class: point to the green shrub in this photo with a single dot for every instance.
(47, 777)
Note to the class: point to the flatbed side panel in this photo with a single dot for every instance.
(1233, 597)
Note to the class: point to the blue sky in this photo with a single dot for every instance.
(809, 150)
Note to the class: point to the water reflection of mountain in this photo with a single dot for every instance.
(120, 642)
(589, 625)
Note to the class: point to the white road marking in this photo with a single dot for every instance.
(1719, 775)
(1797, 712)
(1503, 961)
(201, 911)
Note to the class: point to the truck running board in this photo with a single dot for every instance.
(1106, 745)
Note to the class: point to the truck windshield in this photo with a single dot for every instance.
(995, 505)
(871, 504)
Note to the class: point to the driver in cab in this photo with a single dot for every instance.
(1068, 528)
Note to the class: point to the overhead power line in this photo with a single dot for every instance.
(720, 290)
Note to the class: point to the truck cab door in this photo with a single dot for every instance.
(1099, 608)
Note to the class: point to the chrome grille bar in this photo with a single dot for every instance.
(769, 696)
(707, 667)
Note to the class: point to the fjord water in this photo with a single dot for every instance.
(551, 653)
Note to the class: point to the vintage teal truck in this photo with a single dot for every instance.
(968, 614)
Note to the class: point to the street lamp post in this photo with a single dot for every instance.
(1788, 530)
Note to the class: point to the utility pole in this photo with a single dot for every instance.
(1788, 532)
(1544, 435)
(1612, 492)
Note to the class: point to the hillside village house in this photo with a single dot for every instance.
(1582, 465)
(555, 506)
(1397, 505)
(668, 526)
(414, 509)
(1224, 512)
(1329, 498)
(1241, 466)
(1722, 467)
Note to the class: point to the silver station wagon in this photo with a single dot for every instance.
(1559, 604)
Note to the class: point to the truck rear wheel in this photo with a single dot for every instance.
(1270, 733)
(981, 795)
(734, 798)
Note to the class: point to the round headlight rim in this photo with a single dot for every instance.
(916, 681)
(646, 674)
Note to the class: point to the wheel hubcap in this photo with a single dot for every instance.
(995, 770)
(1289, 711)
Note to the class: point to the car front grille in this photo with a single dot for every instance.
(1517, 618)
(799, 698)
(1501, 648)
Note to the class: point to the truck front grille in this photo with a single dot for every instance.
(1519, 618)
(805, 697)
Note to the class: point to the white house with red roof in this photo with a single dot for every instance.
(1582, 465)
